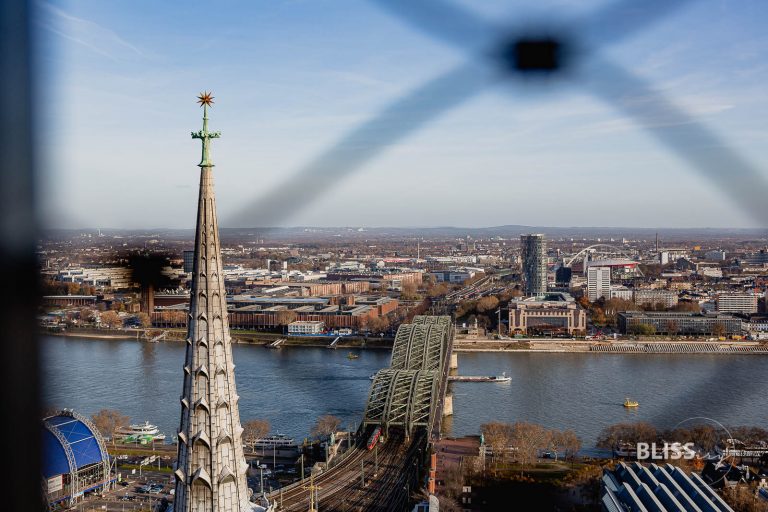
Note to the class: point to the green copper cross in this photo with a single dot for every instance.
(205, 99)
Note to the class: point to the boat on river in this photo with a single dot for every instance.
(631, 403)
(141, 433)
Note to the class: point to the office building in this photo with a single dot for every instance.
(189, 261)
(598, 283)
(745, 303)
(534, 259)
(705, 324)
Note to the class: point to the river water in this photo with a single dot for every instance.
(291, 387)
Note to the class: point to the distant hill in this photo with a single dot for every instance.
(510, 231)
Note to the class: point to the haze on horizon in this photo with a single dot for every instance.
(119, 80)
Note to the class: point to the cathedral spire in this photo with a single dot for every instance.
(211, 469)
(205, 99)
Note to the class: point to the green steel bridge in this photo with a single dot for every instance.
(410, 393)
(406, 401)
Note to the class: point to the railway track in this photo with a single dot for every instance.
(340, 488)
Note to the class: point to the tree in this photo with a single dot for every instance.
(326, 425)
(644, 329)
(688, 306)
(672, 327)
(571, 444)
(253, 430)
(87, 315)
(498, 436)
(285, 317)
(598, 317)
(144, 320)
(718, 330)
(564, 443)
(379, 324)
(529, 439)
(485, 304)
(107, 421)
(612, 435)
(111, 319)
(437, 290)
(409, 292)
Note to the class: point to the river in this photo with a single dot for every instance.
(291, 387)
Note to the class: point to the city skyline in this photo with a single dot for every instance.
(286, 89)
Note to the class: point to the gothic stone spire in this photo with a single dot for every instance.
(211, 473)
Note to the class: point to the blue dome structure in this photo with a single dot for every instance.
(75, 459)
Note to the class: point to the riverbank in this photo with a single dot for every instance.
(238, 337)
(546, 345)
(558, 345)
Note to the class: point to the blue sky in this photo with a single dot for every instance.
(291, 77)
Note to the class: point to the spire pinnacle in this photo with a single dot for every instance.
(205, 99)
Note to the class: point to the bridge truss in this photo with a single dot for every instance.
(407, 394)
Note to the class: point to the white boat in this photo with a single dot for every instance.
(138, 433)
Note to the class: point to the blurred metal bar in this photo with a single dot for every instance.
(20, 428)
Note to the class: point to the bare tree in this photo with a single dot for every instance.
(529, 439)
(107, 421)
(498, 436)
(144, 320)
(565, 443)
(326, 425)
(286, 317)
(253, 430)
(612, 435)
(111, 319)
(87, 315)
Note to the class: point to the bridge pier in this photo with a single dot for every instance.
(448, 404)
(454, 364)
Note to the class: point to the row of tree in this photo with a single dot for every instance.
(524, 442)
(704, 435)
(483, 310)
(107, 421)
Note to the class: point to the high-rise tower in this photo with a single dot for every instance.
(534, 256)
(211, 473)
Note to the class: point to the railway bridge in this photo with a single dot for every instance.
(406, 402)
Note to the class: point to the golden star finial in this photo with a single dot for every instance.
(205, 98)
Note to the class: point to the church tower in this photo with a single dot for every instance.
(211, 473)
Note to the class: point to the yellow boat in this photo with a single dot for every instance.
(352, 356)
(631, 403)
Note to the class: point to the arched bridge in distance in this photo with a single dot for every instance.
(406, 402)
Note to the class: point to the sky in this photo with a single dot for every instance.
(291, 78)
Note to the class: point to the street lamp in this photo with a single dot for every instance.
(261, 477)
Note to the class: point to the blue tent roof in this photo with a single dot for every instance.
(78, 437)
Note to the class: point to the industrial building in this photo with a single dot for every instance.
(707, 324)
(534, 259)
(657, 489)
(551, 313)
(75, 460)
(258, 312)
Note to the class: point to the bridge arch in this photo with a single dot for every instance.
(576, 256)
